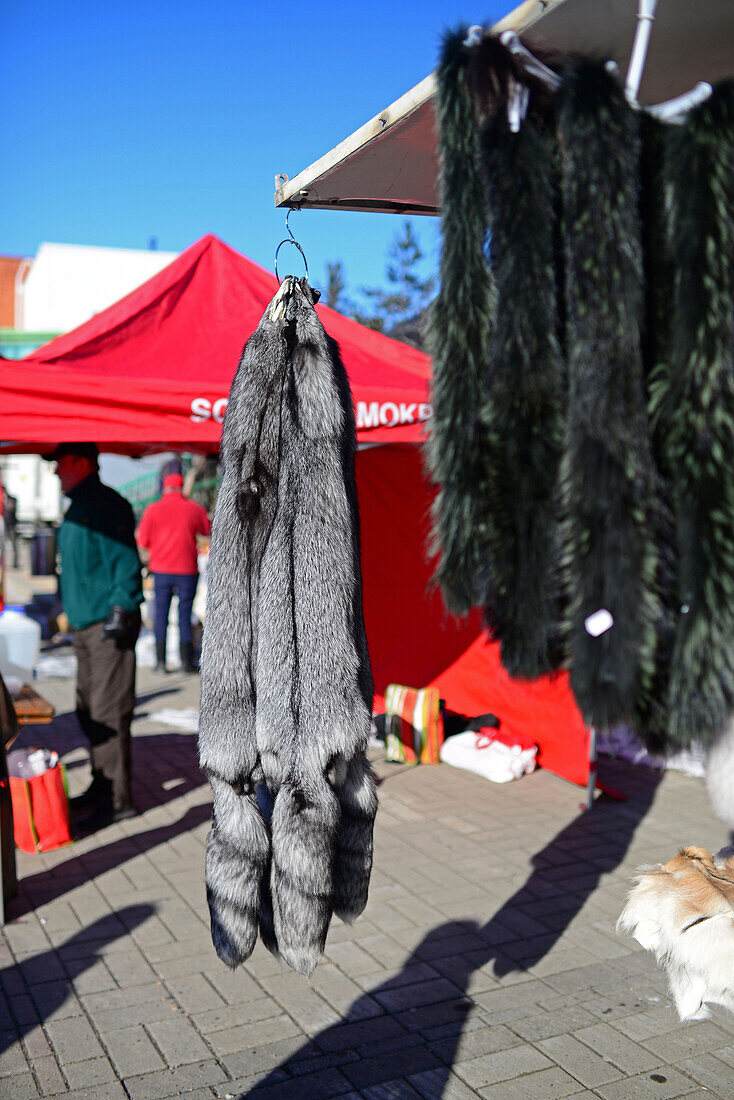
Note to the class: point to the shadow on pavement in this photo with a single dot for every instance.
(565, 874)
(48, 886)
(51, 974)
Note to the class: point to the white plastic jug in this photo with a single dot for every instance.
(20, 644)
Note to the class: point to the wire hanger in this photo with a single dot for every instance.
(290, 239)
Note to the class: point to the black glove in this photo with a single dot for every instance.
(117, 625)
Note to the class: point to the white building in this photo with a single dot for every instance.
(68, 283)
(65, 286)
(34, 485)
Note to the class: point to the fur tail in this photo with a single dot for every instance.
(355, 788)
(237, 855)
(305, 822)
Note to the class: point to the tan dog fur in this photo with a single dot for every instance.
(683, 910)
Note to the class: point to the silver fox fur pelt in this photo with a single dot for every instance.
(286, 685)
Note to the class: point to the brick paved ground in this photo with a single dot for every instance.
(485, 965)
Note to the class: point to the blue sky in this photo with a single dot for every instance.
(128, 120)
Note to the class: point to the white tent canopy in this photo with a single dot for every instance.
(390, 164)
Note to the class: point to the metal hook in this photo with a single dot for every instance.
(290, 239)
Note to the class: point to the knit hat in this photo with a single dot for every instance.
(83, 450)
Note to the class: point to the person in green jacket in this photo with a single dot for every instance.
(101, 592)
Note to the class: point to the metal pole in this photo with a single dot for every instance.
(591, 783)
(645, 17)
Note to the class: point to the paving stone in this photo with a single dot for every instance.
(243, 1086)
(132, 1051)
(130, 968)
(21, 1087)
(253, 1035)
(46, 967)
(726, 1054)
(94, 1071)
(579, 1060)
(22, 1011)
(181, 1081)
(403, 1063)
(319, 1087)
(311, 1059)
(689, 1040)
(387, 1046)
(217, 1019)
(646, 1024)
(12, 1060)
(56, 1001)
(12, 982)
(618, 1049)
(178, 1040)
(74, 1040)
(116, 1018)
(195, 1094)
(709, 1071)
(441, 1084)
(113, 1091)
(48, 1076)
(545, 1024)
(417, 995)
(234, 986)
(310, 1011)
(542, 1085)
(472, 1044)
(665, 1083)
(391, 1090)
(352, 959)
(349, 1036)
(195, 993)
(504, 1065)
(35, 1044)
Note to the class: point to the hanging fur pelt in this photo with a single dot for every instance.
(286, 682)
(608, 480)
(525, 387)
(651, 717)
(460, 326)
(692, 401)
(683, 911)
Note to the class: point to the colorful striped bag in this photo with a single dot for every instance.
(413, 725)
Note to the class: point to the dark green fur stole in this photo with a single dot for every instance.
(460, 329)
(651, 717)
(523, 412)
(608, 479)
(692, 401)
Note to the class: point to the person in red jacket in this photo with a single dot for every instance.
(168, 531)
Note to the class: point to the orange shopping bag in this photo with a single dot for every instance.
(41, 810)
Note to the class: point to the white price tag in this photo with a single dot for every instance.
(599, 622)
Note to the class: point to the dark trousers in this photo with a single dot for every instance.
(165, 586)
(105, 700)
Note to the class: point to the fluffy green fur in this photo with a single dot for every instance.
(459, 334)
(651, 717)
(608, 479)
(692, 401)
(523, 413)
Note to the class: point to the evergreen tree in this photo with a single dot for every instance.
(335, 296)
(407, 294)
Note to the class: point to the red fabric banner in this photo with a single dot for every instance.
(542, 710)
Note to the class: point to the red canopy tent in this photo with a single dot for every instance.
(152, 373)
